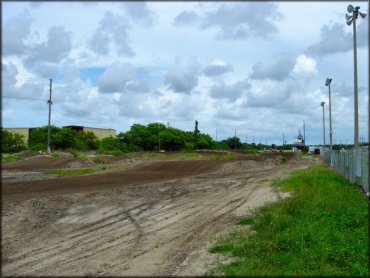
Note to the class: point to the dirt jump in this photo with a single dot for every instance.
(154, 218)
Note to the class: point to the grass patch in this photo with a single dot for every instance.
(321, 231)
(73, 172)
(99, 160)
(284, 159)
(6, 158)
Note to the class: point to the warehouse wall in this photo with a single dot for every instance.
(101, 132)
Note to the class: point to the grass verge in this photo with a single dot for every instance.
(321, 231)
(5, 158)
(73, 172)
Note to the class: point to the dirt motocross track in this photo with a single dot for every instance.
(156, 218)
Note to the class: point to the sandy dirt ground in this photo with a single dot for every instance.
(157, 218)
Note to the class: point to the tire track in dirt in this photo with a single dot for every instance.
(138, 229)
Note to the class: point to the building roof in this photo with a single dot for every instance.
(80, 126)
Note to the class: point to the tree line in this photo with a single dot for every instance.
(151, 137)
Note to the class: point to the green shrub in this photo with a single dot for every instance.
(12, 142)
(99, 160)
(38, 147)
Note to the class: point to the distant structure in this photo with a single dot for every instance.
(298, 143)
(101, 133)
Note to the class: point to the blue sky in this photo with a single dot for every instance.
(255, 67)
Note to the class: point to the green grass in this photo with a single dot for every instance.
(10, 158)
(99, 160)
(321, 231)
(73, 172)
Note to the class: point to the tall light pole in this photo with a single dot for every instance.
(327, 83)
(351, 18)
(323, 120)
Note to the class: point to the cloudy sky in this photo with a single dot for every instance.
(255, 68)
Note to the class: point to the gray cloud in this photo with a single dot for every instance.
(138, 87)
(139, 12)
(15, 31)
(184, 77)
(9, 72)
(231, 92)
(239, 20)
(277, 70)
(112, 29)
(114, 79)
(186, 18)
(217, 67)
(57, 47)
(339, 38)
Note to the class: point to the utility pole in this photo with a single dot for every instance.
(304, 133)
(283, 139)
(216, 134)
(50, 103)
(235, 140)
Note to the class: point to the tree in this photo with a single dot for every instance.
(112, 144)
(232, 142)
(196, 130)
(86, 140)
(172, 139)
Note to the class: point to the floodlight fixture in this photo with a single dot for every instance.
(328, 81)
(322, 103)
(349, 19)
(362, 14)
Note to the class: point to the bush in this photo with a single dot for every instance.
(11, 142)
(112, 144)
(38, 147)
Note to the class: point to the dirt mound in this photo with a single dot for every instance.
(38, 163)
(156, 171)
(27, 154)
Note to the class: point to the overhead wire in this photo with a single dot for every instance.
(24, 98)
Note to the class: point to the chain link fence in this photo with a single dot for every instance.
(344, 162)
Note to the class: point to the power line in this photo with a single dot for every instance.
(24, 98)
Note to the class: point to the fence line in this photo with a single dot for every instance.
(343, 161)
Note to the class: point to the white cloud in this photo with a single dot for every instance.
(305, 66)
